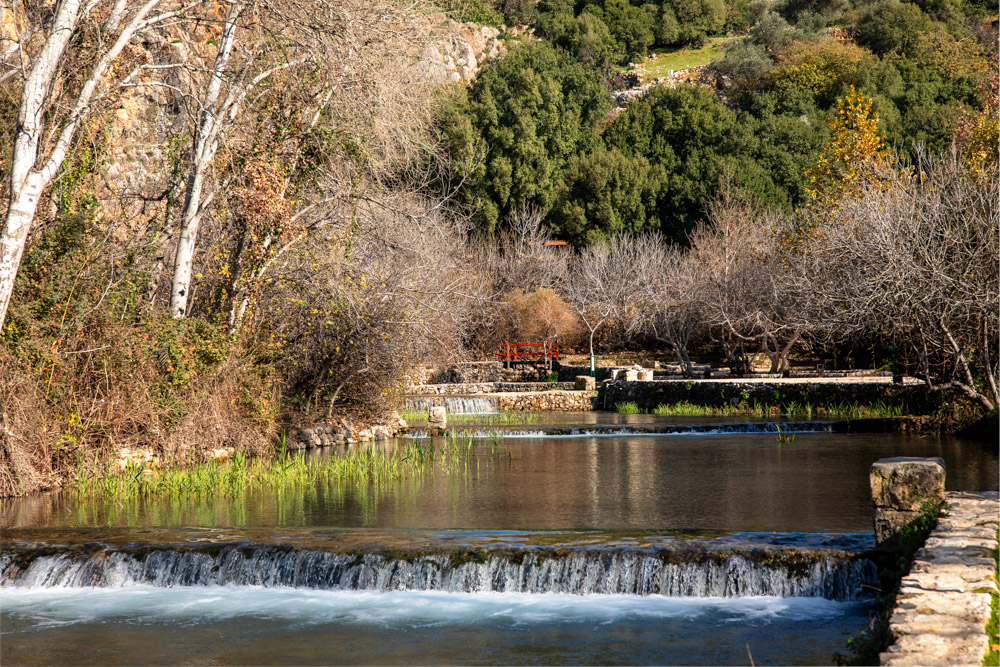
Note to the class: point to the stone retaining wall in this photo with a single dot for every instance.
(943, 604)
(474, 389)
(475, 372)
(546, 401)
(914, 398)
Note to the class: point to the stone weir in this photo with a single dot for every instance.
(578, 563)
(517, 401)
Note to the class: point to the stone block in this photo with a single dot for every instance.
(584, 383)
(631, 375)
(650, 363)
(645, 375)
(902, 487)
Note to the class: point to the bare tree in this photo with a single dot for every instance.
(604, 279)
(916, 257)
(752, 292)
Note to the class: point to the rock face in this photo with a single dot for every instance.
(902, 488)
(458, 56)
(943, 604)
(584, 383)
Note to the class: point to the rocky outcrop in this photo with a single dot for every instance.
(343, 432)
(943, 604)
(459, 55)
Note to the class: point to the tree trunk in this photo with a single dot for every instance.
(16, 226)
(206, 144)
(26, 182)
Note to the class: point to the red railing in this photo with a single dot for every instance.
(528, 353)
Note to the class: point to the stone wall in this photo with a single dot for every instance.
(914, 398)
(476, 388)
(464, 48)
(943, 603)
(546, 401)
(475, 372)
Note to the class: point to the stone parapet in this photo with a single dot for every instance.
(943, 604)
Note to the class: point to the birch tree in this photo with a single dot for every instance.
(44, 133)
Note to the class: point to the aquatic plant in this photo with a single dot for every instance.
(239, 474)
(628, 407)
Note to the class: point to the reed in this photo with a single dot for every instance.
(370, 466)
(628, 408)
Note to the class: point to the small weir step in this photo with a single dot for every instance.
(640, 430)
(780, 572)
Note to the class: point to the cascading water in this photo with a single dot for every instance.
(581, 573)
(454, 405)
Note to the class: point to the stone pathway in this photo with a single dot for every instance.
(944, 603)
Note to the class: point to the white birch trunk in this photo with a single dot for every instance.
(206, 144)
(26, 183)
(27, 178)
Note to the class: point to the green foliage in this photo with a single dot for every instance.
(993, 626)
(628, 408)
(606, 192)
(528, 114)
(891, 27)
(695, 139)
(474, 11)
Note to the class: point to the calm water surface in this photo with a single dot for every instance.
(730, 482)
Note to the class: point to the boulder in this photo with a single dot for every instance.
(584, 383)
(645, 375)
(631, 375)
(902, 489)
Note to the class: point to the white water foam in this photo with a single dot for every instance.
(47, 607)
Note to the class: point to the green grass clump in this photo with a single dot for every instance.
(993, 627)
(288, 471)
(628, 408)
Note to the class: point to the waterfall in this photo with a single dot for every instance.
(800, 574)
(454, 405)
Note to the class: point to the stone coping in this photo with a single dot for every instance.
(943, 604)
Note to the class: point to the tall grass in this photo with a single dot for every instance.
(628, 408)
(288, 471)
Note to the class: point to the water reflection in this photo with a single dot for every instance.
(732, 482)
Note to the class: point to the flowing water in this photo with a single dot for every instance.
(593, 538)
